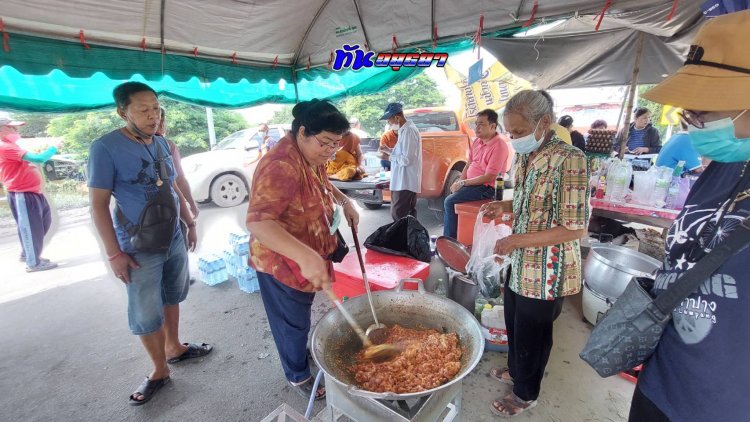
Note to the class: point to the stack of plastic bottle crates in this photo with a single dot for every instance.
(213, 269)
(237, 265)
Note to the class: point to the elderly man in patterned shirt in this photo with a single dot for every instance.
(550, 205)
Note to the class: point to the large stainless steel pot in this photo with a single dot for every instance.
(608, 268)
(334, 343)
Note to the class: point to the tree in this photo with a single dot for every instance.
(656, 110)
(420, 91)
(36, 123)
(78, 130)
(283, 116)
(187, 126)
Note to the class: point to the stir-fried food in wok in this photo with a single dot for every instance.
(430, 359)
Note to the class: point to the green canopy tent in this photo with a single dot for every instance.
(67, 55)
(85, 78)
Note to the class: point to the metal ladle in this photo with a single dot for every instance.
(377, 332)
(378, 352)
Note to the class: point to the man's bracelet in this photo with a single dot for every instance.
(113, 257)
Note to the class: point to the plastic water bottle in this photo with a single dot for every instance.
(441, 287)
(674, 187)
(381, 175)
(620, 182)
(437, 270)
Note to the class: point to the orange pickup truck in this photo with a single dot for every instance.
(445, 153)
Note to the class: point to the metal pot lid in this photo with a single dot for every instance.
(453, 253)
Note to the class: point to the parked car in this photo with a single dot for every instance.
(445, 152)
(65, 166)
(223, 175)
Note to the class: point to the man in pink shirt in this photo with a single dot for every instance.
(488, 157)
(23, 183)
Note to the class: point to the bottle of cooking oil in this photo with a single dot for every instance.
(499, 187)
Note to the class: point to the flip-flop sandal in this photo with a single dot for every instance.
(193, 351)
(305, 388)
(512, 405)
(497, 373)
(147, 389)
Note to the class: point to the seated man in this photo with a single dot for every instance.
(488, 157)
(680, 148)
(387, 143)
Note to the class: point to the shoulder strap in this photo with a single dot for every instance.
(162, 166)
(124, 222)
(703, 269)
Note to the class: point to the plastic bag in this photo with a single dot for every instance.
(485, 266)
(644, 183)
(618, 180)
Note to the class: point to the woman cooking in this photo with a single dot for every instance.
(550, 205)
(293, 216)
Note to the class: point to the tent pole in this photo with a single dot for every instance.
(307, 34)
(161, 32)
(362, 24)
(294, 81)
(631, 97)
(622, 108)
(518, 11)
(432, 20)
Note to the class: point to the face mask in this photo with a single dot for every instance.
(528, 143)
(338, 212)
(136, 131)
(718, 142)
(395, 127)
(12, 137)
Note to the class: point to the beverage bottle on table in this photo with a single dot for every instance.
(499, 187)
(674, 187)
(437, 269)
(621, 175)
(441, 287)
(601, 186)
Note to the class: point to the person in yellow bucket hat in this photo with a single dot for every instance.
(701, 370)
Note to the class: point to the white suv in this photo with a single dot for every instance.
(223, 175)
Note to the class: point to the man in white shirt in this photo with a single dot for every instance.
(406, 164)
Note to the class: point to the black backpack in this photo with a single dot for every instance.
(158, 220)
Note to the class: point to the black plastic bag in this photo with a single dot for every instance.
(406, 237)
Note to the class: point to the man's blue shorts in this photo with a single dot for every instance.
(161, 280)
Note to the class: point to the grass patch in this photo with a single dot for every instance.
(61, 194)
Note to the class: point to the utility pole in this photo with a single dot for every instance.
(211, 130)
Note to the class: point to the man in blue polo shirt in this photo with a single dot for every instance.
(680, 148)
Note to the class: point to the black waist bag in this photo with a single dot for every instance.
(158, 220)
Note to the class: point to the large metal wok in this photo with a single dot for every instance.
(334, 343)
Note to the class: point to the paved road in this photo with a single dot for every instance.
(68, 355)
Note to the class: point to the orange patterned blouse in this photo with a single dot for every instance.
(286, 189)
